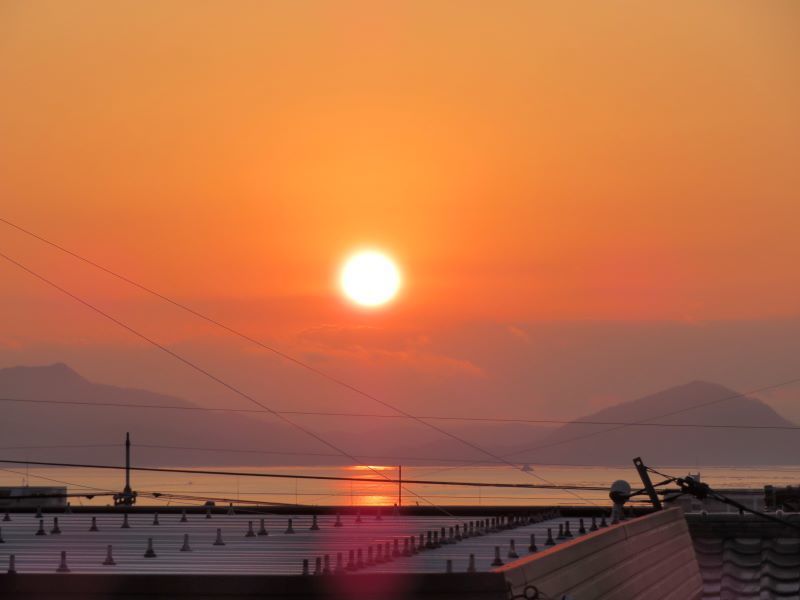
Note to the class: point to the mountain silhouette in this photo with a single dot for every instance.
(696, 403)
(93, 432)
(27, 426)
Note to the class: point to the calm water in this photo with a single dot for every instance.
(191, 489)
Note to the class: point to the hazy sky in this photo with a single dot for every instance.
(589, 200)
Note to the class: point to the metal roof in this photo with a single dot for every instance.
(278, 552)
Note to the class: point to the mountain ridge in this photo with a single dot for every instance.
(695, 403)
(182, 433)
(688, 401)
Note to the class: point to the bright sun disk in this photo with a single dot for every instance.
(370, 278)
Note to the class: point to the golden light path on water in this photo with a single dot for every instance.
(195, 489)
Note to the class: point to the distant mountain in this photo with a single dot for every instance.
(26, 426)
(48, 431)
(581, 443)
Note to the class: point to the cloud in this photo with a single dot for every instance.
(358, 337)
(382, 348)
(519, 333)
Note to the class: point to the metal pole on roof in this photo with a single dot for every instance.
(648, 484)
(127, 497)
(127, 463)
(399, 486)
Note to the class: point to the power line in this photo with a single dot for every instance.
(383, 416)
(67, 483)
(248, 451)
(284, 355)
(343, 383)
(348, 494)
(159, 495)
(286, 453)
(701, 491)
(180, 493)
(91, 493)
(301, 476)
(61, 446)
(647, 420)
(774, 470)
(402, 414)
(662, 416)
(94, 491)
(191, 364)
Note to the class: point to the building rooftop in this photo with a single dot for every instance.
(746, 556)
(278, 552)
(645, 558)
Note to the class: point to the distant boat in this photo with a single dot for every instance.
(526, 468)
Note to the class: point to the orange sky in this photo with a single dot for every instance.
(523, 162)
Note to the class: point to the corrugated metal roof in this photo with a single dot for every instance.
(278, 552)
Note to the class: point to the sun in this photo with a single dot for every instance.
(370, 278)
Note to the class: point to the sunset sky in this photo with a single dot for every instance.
(589, 201)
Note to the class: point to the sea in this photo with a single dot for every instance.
(377, 485)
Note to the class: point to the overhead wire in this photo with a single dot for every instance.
(773, 469)
(664, 415)
(98, 491)
(336, 380)
(192, 365)
(102, 404)
(701, 490)
(344, 494)
(301, 476)
(61, 447)
(240, 334)
(644, 421)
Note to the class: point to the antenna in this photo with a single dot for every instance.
(127, 497)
